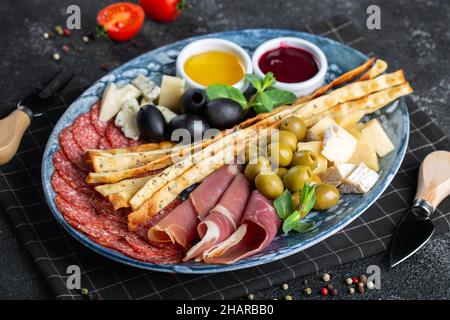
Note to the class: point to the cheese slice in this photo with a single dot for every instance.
(350, 119)
(361, 180)
(316, 147)
(317, 131)
(335, 175)
(172, 88)
(338, 144)
(113, 98)
(376, 135)
(366, 153)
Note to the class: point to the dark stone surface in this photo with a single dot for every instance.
(414, 36)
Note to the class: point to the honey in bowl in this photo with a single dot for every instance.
(214, 67)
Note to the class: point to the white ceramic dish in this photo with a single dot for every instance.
(212, 44)
(299, 88)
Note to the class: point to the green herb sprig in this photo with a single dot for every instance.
(292, 217)
(265, 99)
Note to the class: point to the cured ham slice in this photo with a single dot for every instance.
(222, 220)
(179, 226)
(208, 193)
(259, 226)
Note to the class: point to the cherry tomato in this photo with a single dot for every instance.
(121, 20)
(162, 10)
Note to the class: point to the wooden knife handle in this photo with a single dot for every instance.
(12, 129)
(434, 178)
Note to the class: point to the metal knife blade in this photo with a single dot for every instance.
(414, 230)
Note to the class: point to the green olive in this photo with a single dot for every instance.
(269, 185)
(285, 137)
(305, 158)
(281, 172)
(296, 177)
(255, 166)
(315, 179)
(296, 200)
(327, 196)
(280, 154)
(296, 126)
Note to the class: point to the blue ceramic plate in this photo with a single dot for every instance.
(162, 61)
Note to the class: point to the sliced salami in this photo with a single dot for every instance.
(115, 136)
(98, 125)
(69, 194)
(86, 219)
(104, 208)
(71, 174)
(73, 152)
(167, 252)
(104, 144)
(84, 133)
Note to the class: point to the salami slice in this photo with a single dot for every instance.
(69, 194)
(104, 208)
(98, 125)
(71, 174)
(84, 133)
(104, 144)
(115, 136)
(81, 219)
(73, 152)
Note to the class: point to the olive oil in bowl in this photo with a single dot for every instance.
(214, 67)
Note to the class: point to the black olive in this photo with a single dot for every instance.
(194, 124)
(224, 113)
(184, 195)
(250, 113)
(193, 101)
(151, 124)
(249, 92)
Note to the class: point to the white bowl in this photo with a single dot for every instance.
(212, 44)
(299, 88)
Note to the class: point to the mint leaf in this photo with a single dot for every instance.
(217, 91)
(307, 199)
(303, 226)
(262, 103)
(290, 222)
(280, 97)
(254, 80)
(268, 80)
(283, 205)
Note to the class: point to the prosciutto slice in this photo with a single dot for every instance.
(222, 220)
(259, 226)
(208, 193)
(179, 226)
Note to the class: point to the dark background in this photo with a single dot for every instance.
(415, 36)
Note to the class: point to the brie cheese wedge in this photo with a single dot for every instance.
(361, 180)
(335, 175)
(376, 135)
(338, 144)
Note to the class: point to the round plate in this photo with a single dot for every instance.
(162, 61)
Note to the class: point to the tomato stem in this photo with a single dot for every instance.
(180, 5)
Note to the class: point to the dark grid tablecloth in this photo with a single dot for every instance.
(53, 250)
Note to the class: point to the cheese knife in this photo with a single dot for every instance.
(13, 126)
(416, 227)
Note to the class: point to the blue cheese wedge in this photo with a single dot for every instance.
(113, 98)
(149, 89)
(338, 144)
(126, 119)
(361, 180)
(335, 175)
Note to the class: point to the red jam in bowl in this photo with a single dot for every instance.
(289, 64)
